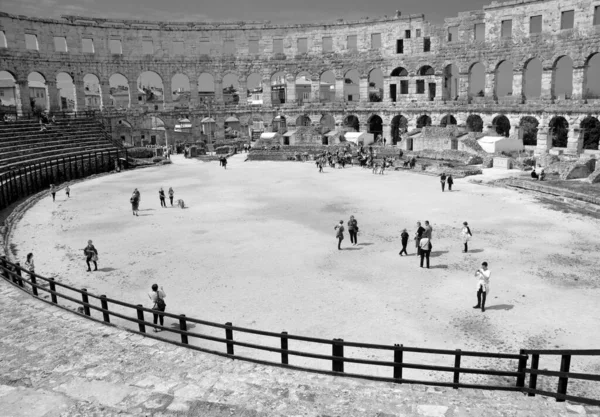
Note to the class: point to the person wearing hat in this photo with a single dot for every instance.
(466, 236)
(340, 233)
(91, 254)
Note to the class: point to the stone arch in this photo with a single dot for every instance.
(256, 125)
(11, 98)
(532, 78)
(591, 137)
(591, 78)
(448, 120)
(303, 120)
(231, 89)
(501, 125)
(278, 88)
(38, 90)
(375, 85)
(450, 90)
(180, 90)
(503, 79)
(375, 126)
(397, 86)
(477, 80)
(351, 121)
(559, 131)
(327, 123)
(150, 89)
(327, 87)
(423, 121)
(474, 123)
(93, 94)
(232, 127)
(426, 70)
(303, 87)
(279, 124)
(254, 89)
(124, 131)
(119, 91)
(352, 85)
(206, 87)
(66, 92)
(399, 125)
(528, 130)
(562, 77)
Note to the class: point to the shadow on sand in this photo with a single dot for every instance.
(504, 307)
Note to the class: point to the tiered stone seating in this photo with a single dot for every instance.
(22, 143)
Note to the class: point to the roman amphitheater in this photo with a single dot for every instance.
(254, 255)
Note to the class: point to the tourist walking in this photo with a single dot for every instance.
(53, 191)
(68, 191)
(428, 230)
(157, 297)
(135, 202)
(224, 162)
(171, 194)
(29, 265)
(443, 181)
(91, 254)
(340, 233)
(404, 238)
(413, 162)
(353, 230)
(483, 285)
(418, 235)
(450, 181)
(466, 236)
(425, 247)
(161, 196)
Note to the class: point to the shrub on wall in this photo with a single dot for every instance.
(140, 153)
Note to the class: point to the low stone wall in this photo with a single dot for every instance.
(547, 188)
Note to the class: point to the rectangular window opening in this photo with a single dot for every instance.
(116, 47)
(375, 40)
(253, 46)
(3, 40)
(596, 16)
(399, 46)
(403, 86)
(349, 97)
(229, 47)
(418, 34)
(31, 42)
(277, 46)
(453, 34)
(328, 44)
(147, 47)
(420, 86)
(480, 32)
(506, 29)
(352, 41)
(178, 48)
(302, 45)
(204, 47)
(407, 33)
(426, 44)
(567, 18)
(87, 46)
(60, 44)
(535, 24)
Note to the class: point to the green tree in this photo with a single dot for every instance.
(474, 123)
(559, 131)
(591, 137)
(529, 129)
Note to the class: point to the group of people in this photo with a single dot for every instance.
(448, 179)
(223, 161)
(53, 191)
(352, 230)
(539, 177)
(136, 198)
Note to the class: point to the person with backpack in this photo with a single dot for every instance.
(466, 236)
(157, 297)
(91, 254)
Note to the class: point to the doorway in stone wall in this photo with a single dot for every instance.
(431, 91)
(409, 144)
(454, 144)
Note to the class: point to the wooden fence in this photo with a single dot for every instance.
(324, 364)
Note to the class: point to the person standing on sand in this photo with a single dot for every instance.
(53, 191)
(353, 230)
(157, 297)
(161, 196)
(425, 247)
(171, 194)
(68, 191)
(443, 181)
(404, 237)
(428, 230)
(91, 254)
(418, 235)
(29, 265)
(450, 181)
(466, 236)
(135, 202)
(483, 275)
(340, 233)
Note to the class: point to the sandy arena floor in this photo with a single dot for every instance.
(257, 247)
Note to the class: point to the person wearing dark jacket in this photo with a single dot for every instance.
(353, 230)
(418, 235)
(443, 180)
(161, 195)
(450, 181)
(340, 233)
(404, 237)
(91, 254)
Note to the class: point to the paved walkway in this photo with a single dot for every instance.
(55, 363)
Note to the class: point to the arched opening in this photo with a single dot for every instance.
(303, 85)
(591, 137)
(450, 91)
(279, 124)
(504, 79)
(181, 91)
(447, 120)
(303, 120)
(399, 126)
(183, 125)
(351, 122)
(208, 126)
(256, 126)
(559, 131)
(91, 88)
(206, 88)
(474, 123)
(532, 79)
(591, 85)
(426, 70)
(398, 83)
(529, 129)
(327, 87)
(150, 90)
(562, 78)
(10, 100)
(119, 91)
(351, 86)
(278, 88)
(423, 121)
(327, 123)
(232, 127)
(38, 91)
(153, 132)
(428, 85)
(255, 89)
(124, 131)
(231, 89)
(375, 86)
(501, 125)
(477, 80)
(66, 92)
(375, 126)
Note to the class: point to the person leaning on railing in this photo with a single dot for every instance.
(158, 304)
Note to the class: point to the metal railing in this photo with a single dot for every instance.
(106, 310)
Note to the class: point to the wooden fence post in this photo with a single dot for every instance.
(86, 300)
(521, 369)
(565, 365)
(34, 289)
(53, 293)
(18, 274)
(535, 361)
(140, 315)
(229, 336)
(398, 358)
(457, 365)
(3, 264)
(104, 303)
(284, 346)
(183, 328)
(338, 351)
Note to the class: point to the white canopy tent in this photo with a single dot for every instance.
(493, 144)
(358, 137)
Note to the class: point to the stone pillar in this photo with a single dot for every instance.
(578, 77)
(463, 86)
(517, 86)
(386, 90)
(439, 85)
(194, 97)
(79, 94)
(575, 141)
(267, 91)
(290, 86)
(546, 93)
(339, 90)
(219, 91)
(544, 141)
(363, 88)
(167, 91)
(490, 79)
(387, 133)
(133, 94)
(315, 91)
(105, 93)
(53, 96)
(243, 92)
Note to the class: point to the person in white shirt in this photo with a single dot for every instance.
(483, 285)
(158, 304)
